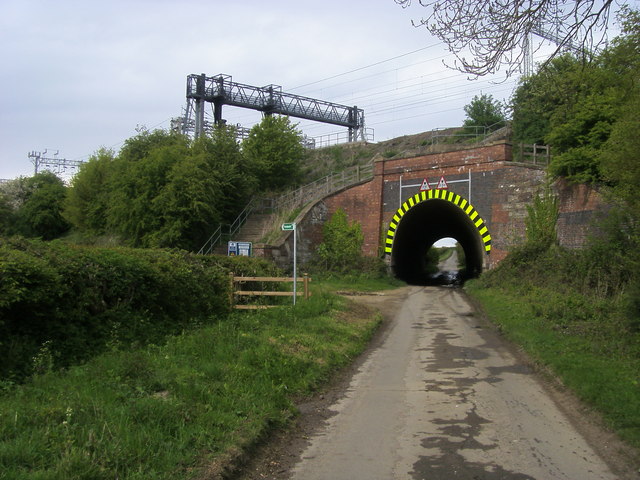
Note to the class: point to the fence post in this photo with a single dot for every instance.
(548, 154)
(231, 289)
(522, 152)
(305, 279)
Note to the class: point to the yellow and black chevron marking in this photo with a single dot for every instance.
(454, 198)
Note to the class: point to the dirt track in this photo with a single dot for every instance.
(440, 395)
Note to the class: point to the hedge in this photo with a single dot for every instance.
(61, 304)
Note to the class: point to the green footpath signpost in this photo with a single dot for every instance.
(291, 227)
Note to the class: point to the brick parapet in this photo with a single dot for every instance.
(498, 188)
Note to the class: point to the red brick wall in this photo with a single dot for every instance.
(362, 204)
(501, 191)
(580, 205)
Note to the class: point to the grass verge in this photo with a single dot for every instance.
(357, 283)
(579, 339)
(176, 410)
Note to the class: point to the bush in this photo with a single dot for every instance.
(78, 301)
(341, 247)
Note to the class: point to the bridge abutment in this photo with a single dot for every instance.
(485, 177)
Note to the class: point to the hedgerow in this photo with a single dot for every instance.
(61, 304)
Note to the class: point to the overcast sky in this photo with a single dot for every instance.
(80, 75)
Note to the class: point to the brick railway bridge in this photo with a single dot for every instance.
(483, 207)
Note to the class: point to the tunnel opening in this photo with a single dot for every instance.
(446, 263)
(419, 224)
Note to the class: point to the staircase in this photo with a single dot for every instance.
(256, 227)
(253, 223)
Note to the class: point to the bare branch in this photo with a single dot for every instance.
(485, 35)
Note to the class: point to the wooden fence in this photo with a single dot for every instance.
(236, 283)
(536, 154)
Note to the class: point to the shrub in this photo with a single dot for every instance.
(341, 247)
(78, 301)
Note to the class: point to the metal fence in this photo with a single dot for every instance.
(290, 201)
(322, 187)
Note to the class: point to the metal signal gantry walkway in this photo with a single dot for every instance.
(220, 90)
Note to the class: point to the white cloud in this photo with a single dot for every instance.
(78, 75)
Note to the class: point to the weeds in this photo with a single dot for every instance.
(166, 411)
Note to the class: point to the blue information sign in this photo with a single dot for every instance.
(243, 249)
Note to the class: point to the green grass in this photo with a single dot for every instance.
(582, 340)
(357, 283)
(168, 411)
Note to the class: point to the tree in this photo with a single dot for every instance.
(88, 197)
(137, 181)
(484, 111)
(205, 188)
(487, 34)
(540, 95)
(237, 180)
(40, 215)
(573, 106)
(162, 189)
(6, 214)
(274, 153)
(620, 155)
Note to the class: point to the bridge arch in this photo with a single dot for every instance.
(425, 218)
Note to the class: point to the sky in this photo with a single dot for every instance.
(77, 76)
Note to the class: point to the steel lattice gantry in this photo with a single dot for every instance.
(221, 90)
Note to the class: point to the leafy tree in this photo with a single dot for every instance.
(579, 136)
(236, 180)
(140, 146)
(137, 182)
(88, 198)
(274, 152)
(162, 189)
(205, 188)
(40, 215)
(538, 96)
(341, 247)
(485, 35)
(484, 111)
(6, 214)
(620, 154)
(572, 106)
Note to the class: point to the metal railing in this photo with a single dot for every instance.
(290, 201)
(220, 233)
(339, 138)
(212, 242)
(469, 132)
(321, 188)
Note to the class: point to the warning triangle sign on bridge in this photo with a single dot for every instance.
(425, 185)
(442, 185)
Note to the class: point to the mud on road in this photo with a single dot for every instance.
(439, 394)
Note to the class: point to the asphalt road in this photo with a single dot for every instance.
(442, 397)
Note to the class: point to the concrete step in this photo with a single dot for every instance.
(256, 226)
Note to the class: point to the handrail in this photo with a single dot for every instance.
(296, 198)
(323, 187)
(210, 244)
(242, 217)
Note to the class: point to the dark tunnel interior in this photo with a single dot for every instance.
(422, 226)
